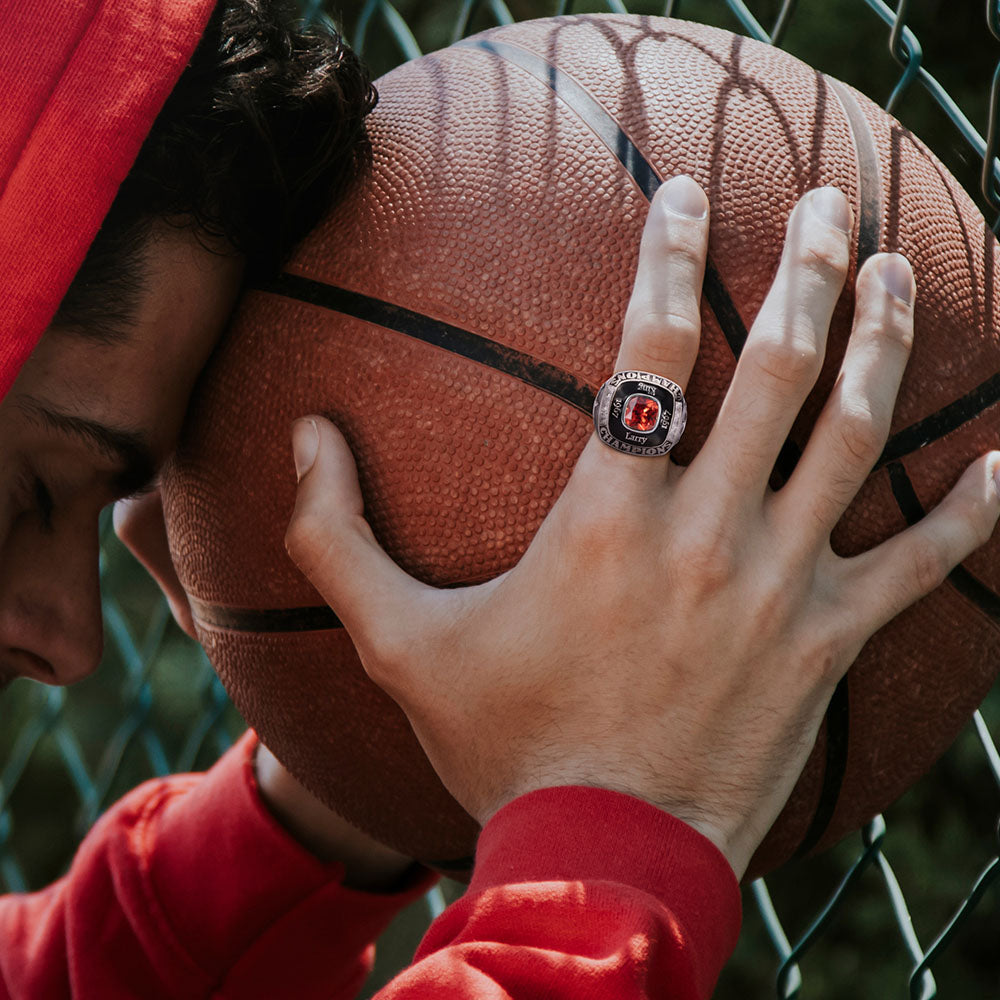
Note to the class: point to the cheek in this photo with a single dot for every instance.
(50, 610)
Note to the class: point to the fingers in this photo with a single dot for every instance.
(329, 539)
(663, 320)
(897, 573)
(784, 351)
(662, 325)
(854, 425)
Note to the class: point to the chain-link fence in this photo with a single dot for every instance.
(846, 924)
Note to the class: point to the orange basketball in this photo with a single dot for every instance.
(457, 312)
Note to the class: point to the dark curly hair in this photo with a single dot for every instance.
(264, 128)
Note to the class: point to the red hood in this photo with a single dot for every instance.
(81, 82)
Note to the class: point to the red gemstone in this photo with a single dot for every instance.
(641, 413)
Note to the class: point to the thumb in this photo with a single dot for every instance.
(329, 539)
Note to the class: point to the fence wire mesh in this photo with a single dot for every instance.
(840, 925)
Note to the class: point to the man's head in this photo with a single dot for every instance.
(263, 128)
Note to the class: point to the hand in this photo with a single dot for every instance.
(671, 633)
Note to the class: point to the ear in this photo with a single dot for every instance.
(140, 526)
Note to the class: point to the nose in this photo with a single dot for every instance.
(50, 604)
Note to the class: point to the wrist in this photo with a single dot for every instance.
(368, 864)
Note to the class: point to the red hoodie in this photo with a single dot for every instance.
(188, 888)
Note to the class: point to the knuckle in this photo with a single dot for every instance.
(860, 435)
(790, 360)
(885, 322)
(825, 656)
(896, 327)
(307, 541)
(828, 506)
(928, 565)
(664, 338)
(685, 248)
(383, 655)
(600, 532)
(826, 258)
(707, 562)
(399, 653)
(902, 336)
(297, 536)
(770, 605)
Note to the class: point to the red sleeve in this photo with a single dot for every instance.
(580, 893)
(189, 888)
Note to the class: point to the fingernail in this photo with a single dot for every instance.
(831, 206)
(896, 277)
(684, 197)
(305, 445)
(996, 478)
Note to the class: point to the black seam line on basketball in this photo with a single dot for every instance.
(944, 421)
(539, 374)
(838, 713)
(974, 402)
(968, 585)
(229, 619)
(869, 175)
(589, 110)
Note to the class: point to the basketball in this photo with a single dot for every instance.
(455, 315)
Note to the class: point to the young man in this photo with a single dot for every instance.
(619, 800)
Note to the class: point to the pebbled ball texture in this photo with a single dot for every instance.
(512, 211)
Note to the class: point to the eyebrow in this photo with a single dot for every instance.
(130, 450)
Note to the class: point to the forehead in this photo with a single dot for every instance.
(70, 401)
(137, 378)
(140, 373)
(108, 380)
(120, 401)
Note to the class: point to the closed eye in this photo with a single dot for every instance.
(44, 504)
(129, 449)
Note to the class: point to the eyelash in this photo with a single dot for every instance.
(37, 497)
(44, 504)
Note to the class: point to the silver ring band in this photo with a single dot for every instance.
(639, 413)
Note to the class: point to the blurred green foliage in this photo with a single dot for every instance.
(155, 706)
